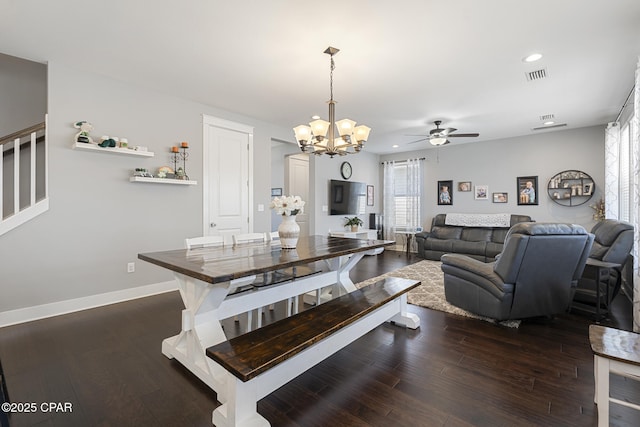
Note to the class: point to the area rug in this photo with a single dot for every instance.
(430, 293)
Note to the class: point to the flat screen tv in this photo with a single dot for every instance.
(347, 197)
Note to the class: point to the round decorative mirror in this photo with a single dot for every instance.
(571, 188)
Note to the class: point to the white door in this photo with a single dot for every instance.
(297, 181)
(227, 177)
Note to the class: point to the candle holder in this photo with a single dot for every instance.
(176, 157)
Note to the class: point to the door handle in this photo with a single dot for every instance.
(212, 225)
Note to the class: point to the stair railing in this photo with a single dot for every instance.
(24, 194)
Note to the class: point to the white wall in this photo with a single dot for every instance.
(98, 221)
(498, 163)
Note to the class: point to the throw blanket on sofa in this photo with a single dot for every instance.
(478, 220)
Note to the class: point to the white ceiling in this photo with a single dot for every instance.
(402, 64)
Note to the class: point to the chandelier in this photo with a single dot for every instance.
(314, 139)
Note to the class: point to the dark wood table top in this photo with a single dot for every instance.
(616, 344)
(221, 264)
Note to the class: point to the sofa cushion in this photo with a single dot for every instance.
(471, 248)
(498, 235)
(476, 234)
(446, 232)
(439, 245)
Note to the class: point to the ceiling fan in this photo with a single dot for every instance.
(440, 136)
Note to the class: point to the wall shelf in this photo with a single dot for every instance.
(162, 180)
(111, 150)
(571, 188)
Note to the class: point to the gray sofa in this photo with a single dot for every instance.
(481, 243)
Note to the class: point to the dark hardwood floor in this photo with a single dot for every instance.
(452, 371)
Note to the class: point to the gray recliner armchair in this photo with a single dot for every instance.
(613, 243)
(535, 275)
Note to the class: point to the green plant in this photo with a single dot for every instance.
(355, 221)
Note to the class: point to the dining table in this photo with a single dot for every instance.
(217, 283)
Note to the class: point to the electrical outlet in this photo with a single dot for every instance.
(131, 267)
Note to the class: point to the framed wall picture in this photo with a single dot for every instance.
(481, 192)
(445, 196)
(527, 190)
(369, 195)
(464, 186)
(500, 197)
(276, 192)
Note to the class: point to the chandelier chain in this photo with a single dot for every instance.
(333, 66)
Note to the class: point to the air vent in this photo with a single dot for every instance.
(547, 117)
(559, 125)
(537, 75)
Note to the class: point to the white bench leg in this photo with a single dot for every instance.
(601, 376)
(240, 410)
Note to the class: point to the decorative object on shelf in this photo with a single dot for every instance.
(527, 187)
(445, 197)
(143, 173)
(165, 172)
(83, 135)
(288, 230)
(481, 192)
(177, 155)
(571, 188)
(346, 170)
(105, 141)
(354, 223)
(313, 138)
(500, 198)
(464, 186)
(599, 209)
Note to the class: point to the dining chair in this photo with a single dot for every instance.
(211, 242)
(292, 306)
(249, 238)
(204, 242)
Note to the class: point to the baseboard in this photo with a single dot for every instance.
(43, 311)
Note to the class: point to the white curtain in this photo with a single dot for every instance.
(414, 187)
(635, 149)
(389, 202)
(611, 170)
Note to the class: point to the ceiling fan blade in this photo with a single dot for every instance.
(463, 135)
(447, 131)
(419, 140)
(422, 135)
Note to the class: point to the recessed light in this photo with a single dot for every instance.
(395, 146)
(533, 57)
(315, 117)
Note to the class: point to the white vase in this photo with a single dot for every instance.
(289, 231)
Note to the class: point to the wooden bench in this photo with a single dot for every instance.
(615, 351)
(259, 362)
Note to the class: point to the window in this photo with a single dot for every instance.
(403, 194)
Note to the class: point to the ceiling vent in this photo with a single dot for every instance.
(547, 117)
(537, 74)
(559, 125)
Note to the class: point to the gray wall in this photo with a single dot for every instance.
(498, 163)
(366, 168)
(98, 221)
(23, 87)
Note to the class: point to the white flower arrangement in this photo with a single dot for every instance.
(287, 205)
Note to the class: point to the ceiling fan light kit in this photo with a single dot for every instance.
(440, 136)
(313, 138)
